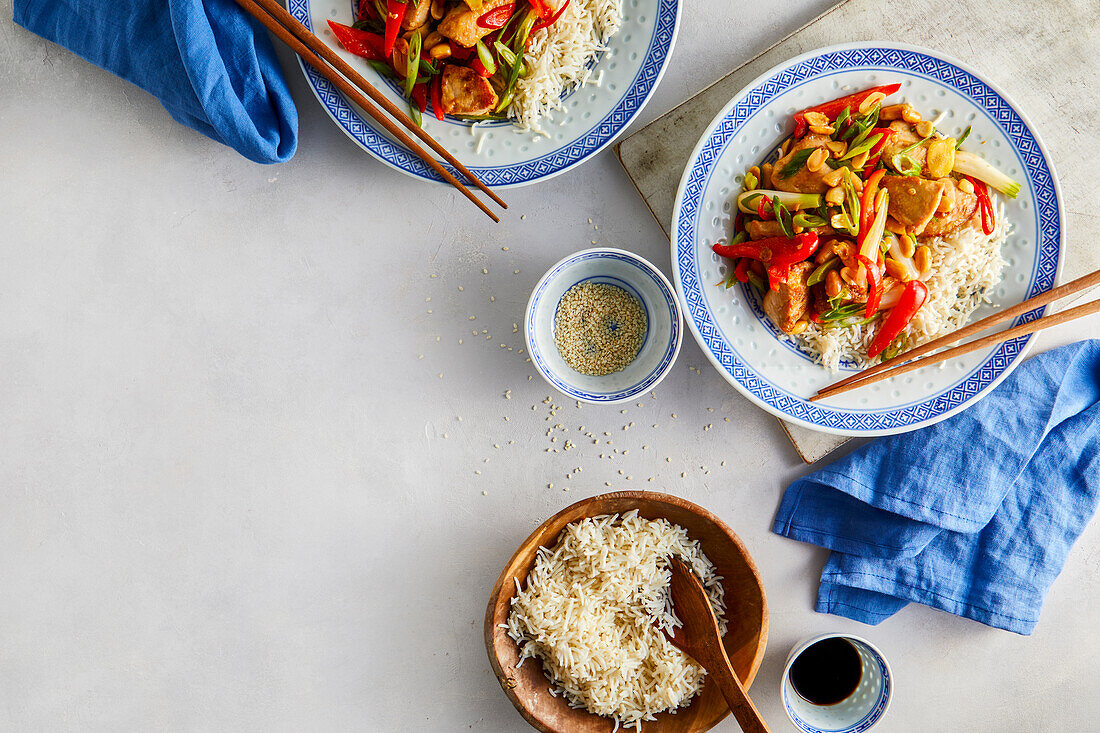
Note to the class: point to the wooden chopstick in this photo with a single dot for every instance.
(315, 53)
(910, 360)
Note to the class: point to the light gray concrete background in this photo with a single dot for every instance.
(237, 495)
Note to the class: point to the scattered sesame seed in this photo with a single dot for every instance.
(515, 272)
(504, 249)
(441, 375)
(726, 419)
(565, 489)
(723, 463)
(434, 276)
(484, 493)
(710, 409)
(473, 318)
(606, 483)
(478, 472)
(683, 475)
(549, 486)
(484, 271)
(460, 288)
(419, 356)
(496, 445)
(674, 416)
(429, 311)
(444, 436)
(668, 459)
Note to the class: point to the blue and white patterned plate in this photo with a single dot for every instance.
(631, 69)
(761, 363)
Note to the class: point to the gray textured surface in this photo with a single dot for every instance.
(224, 474)
(1030, 50)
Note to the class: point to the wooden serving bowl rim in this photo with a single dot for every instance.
(648, 504)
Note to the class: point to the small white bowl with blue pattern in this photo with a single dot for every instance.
(664, 328)
(854, 714)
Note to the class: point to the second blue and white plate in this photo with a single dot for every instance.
(766, 367)
(495, 152)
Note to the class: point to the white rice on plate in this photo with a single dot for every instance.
(559, 57)
(966, 268)
(593, 609)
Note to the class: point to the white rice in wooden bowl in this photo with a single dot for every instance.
(593, 611)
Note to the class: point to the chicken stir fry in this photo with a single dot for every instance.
(835, 231)
(461, 57)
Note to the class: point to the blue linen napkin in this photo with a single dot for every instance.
(210, 64)
(974, 515)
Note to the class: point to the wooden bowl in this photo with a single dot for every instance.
(747, 616)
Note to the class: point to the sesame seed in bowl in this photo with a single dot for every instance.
(603, 326)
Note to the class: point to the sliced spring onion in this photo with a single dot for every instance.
(414, 113)
(842, 118)
(412, 64)
(850, 206)
(383, 68)
(519, 47)
(962, 138)
(794, 165)
(507, 56)
(783, 216)
(486, 58)
(905, 165)
(970, 164)
(757, 283)
(862, 147)
(819, 274)
(748, 200)
(807, 221)
(739, 237)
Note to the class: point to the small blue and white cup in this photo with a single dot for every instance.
(856, 713)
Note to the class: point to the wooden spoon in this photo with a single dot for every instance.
(699, 638)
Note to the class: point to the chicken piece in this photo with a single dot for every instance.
(903, 137)
(460, 24)
(416, 14)
(465, 92)
(790, 303)
(805, 180)
(966, 205)
(913, 201)
(758, 229)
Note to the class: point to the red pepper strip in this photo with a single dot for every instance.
(741, 271)
(395, 13)
(765, 214)
(497, 17)
(777, 276)
(985, 205)
(872, 162)
(886, 133)
(436, 89)
(874, 286)
(739, 222)
(479, 67)
(835, 107)
(867, 204)
(461, 53)
(541, 8)
(420, 95)
(552, 19)
(774, 251)
(800, 126)
(360, 43)
(366, 10)
(912, 298)
(814, 316)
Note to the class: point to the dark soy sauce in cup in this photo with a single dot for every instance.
(827, 672)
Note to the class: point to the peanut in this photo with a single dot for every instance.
(832, 179)
(440, 50)
(834, 195)
(897, 270)
(837, 147)
(893, 112)
(910, 115)
(816, 118)
(923, 260)
(966, 186)
(832, 284)
(817, 160)
(822, 129)
(872, 99)
(924, 129)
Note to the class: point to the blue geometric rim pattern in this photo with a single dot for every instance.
(636, 389)
(868, 720)
(588, 143)
(1039, 179)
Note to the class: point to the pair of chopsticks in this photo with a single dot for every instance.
(911, 360)
(315, 53)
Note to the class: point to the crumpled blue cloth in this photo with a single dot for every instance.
(209, 63)
(974, 515)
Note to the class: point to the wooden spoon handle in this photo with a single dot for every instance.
(748, 717)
